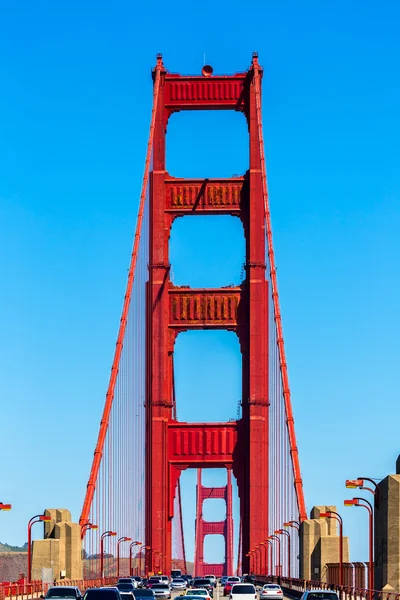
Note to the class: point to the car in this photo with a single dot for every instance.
(137, 579)
(124, 586)
(249, 579)
(61, 591)
(194, 594)
(212, 578)
(141, 593)
(202, 582)
(319, 595)
(153, 580)
(164, 578)
(178, 583)
(271, 590)
(229, 583)
(243, 591)
(223, 579)
(102, 594)
(131, 580)
(161, 590)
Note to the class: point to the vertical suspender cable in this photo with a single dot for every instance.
(277, 313)
(98, 453)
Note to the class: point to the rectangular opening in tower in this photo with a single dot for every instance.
(207, 144)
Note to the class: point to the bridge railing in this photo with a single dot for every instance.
(295, 588)
(35, 589)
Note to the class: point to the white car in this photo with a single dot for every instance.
(212, 578)
(271, 591)
(243, 591)
(178, 583)
(201, 592)
(161, 590)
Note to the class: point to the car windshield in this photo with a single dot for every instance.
(154, 580)
(322, 596)
(202, 582)
(142, 593)
(233, 579)
(61, 593)
(161, 586)
(178, 580)
(243, 589)
(125, 586)
(198, 593)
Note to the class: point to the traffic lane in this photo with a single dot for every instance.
(218, 594)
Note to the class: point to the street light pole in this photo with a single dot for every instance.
(284, 532)
(135, 543)
(32, 521)
(279, 565)
(331, 514)
(121, 539)
(104, 535)
(368, 507)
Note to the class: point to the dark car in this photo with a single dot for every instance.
(102, 594)
(143, 593)
(205, 584)
(249, 579)
(61, 591)
(125, 586)
(153, 581)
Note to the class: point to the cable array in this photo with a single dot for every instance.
(285, 484)
(114, 501)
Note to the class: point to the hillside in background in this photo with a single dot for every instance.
(8, 548)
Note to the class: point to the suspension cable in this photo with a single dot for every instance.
(277, 313)
(104, 423)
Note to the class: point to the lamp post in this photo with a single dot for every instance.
(279, 566)
(104, 535)
(259, 558)
(360, 484)
(144, 547)
(250, 555)
(294, 524)
(284, 532)
(85, 527)
(331, 514)
(368, 506)
(268, 551)
(32, 521)
(135, 543)
(121, 539)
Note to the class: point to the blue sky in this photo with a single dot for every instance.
(74, 111)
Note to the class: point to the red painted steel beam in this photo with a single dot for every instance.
(201, 444)
(204, 196)
(204, 308)
(193, 92)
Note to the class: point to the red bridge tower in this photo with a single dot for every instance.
(173, 446)
(224, 528)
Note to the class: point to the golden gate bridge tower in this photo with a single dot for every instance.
(142, 448)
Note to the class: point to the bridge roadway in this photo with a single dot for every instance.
(218, 594)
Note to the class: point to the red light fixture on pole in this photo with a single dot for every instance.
(32, 521)
(368, 507)
(121, 539)
(135, 543)
(104, 535)
(5, 506)
(85, 527)
(294, 524)
(331, 514)
(360, 484)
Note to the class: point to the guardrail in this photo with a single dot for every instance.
(296, 587)
(35, 589)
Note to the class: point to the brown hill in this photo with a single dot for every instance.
(12, 564)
